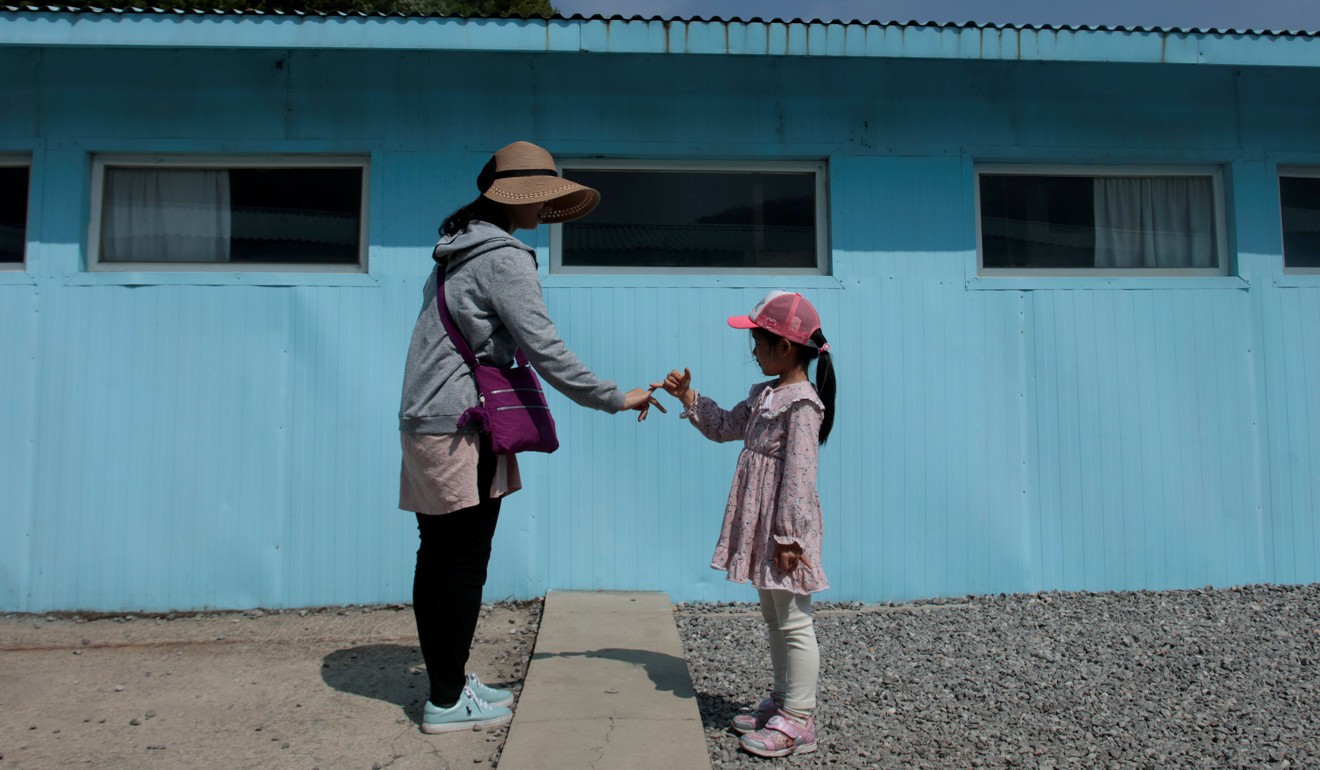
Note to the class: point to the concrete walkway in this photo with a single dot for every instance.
(607, 688)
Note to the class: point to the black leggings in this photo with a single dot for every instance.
(451, 571)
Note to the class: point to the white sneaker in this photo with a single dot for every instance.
(469, 712)
(492, 695)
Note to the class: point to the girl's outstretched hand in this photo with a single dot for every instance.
(787, 557)
(678, 385)
(642, 399)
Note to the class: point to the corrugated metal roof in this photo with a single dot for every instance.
(153, 27)
(911, 23)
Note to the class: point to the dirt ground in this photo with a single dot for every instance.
(315, 688)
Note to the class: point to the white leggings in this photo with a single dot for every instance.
(793, 652)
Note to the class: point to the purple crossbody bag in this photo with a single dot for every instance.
(513, 408)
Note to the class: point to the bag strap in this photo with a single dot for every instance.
(451, 328)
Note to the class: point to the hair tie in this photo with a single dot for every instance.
(825, 348)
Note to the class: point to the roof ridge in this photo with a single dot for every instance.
(911, 23)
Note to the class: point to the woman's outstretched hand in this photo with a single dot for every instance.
(679, 385)
(642, 399)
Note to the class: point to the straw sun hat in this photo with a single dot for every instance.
(524, 173)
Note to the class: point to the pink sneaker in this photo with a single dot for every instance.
(749, 720)
(781, 737)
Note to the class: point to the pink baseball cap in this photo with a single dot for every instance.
(784, 313)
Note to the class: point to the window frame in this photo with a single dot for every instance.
(18, 160)
(1295, 171)
(1214, 172)
(818, 168)
(217, 161)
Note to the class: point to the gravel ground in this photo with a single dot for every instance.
(1222, 678)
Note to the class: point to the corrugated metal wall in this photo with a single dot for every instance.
(230, 441)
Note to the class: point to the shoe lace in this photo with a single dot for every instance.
(474, 698)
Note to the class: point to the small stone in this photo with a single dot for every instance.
(156, 747)
(119, 688)
(284, 745)
(135, 721)
(150, 714)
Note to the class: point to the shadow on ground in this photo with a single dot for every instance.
(717, 711)
(667, 672)
(389, 672)
(393, 673)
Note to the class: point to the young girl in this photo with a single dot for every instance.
(772, 524)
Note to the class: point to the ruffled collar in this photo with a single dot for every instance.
(772, 403)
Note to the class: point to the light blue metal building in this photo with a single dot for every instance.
(174, 436)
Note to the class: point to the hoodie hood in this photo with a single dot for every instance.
(474, 240)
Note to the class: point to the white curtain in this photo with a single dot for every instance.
(1154, 222)
(165, 215)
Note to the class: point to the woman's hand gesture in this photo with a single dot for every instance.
(642, 399)
(678, 385)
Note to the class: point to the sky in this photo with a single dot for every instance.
(1292, 15)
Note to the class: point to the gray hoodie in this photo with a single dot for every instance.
(494, 296)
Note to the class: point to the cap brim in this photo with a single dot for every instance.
(742, 322)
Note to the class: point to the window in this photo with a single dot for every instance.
(13, 212)
(1299, 198)
(254, 213)
(1100, 221)
(697, 218)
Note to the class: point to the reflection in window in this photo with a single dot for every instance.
(1300, 200)
(697, 219)
(1134, 223)
(295, 214)
(13, 213)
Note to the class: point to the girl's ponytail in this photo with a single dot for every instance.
(825, 385)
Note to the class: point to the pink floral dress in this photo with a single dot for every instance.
(773, 498)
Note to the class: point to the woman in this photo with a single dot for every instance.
(451, 479)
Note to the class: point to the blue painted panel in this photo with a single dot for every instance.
(158, 464)
(202, 441)
(1143, 456)
(1291, 458)
(19, 388)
